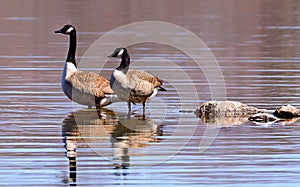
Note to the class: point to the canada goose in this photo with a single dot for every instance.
(86, 88)
(132, 85)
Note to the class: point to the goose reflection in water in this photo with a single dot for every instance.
(70, 133)
(108, 135)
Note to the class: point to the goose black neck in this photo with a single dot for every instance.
(72, 48)
(124, 62)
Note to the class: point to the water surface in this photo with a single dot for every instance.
(47, 141)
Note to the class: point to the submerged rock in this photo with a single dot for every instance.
(218, 121)
(286, 112)
(226, 109)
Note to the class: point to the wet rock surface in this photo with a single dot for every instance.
(286, 112)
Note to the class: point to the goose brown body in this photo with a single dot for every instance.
(133, 85)
(136, 86)
(97, 85)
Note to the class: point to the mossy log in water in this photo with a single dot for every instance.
(223, 109)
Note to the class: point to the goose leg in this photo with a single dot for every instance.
(144, 104)
(97, 103)
(129, 106)
(129, 109)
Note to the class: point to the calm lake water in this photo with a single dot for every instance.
(46, 140)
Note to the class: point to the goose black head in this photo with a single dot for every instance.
(118, 52)
(67, 29)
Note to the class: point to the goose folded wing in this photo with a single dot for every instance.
(143, 88)
(90, 82)
(157, 82)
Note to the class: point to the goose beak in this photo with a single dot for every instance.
(115, 53)
(112, 55)
(58, 31)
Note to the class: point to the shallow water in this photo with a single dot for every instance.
(46, 140)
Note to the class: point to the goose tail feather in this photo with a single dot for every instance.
(161, 89)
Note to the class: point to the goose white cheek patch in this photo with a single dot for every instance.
(120, 52)
(69, 30)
